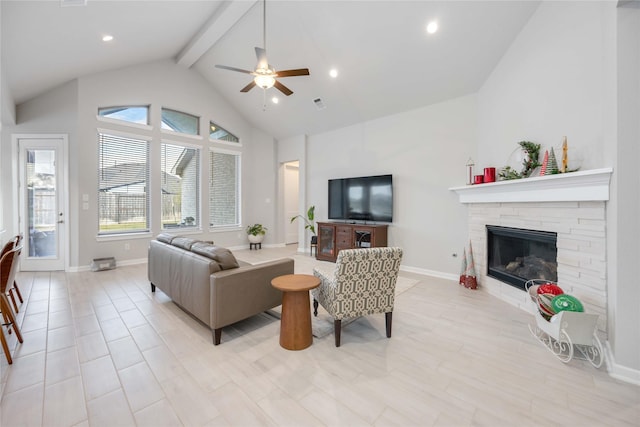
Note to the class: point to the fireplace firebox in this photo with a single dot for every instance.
(516, 255)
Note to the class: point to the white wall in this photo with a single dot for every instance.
(52, 112)
(259, 186)
(72, 109)
(426, 151)
(559, 78)
(549, 84)
(625, 250)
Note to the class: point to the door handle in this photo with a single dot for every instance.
(60, 222)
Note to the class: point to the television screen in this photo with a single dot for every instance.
(368, 198)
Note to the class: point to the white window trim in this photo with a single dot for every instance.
(181, 143)
(229, 143)
(184, 135)
(225, 151)
(123, 236)
(114, 132)
(124, 123)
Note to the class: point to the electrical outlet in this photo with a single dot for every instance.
(127, 247)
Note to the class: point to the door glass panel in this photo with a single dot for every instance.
(41, 203)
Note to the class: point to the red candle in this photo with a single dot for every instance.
(489, 174)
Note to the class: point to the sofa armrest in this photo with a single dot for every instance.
(243, 292)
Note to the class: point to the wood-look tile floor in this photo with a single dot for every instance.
(101, 349)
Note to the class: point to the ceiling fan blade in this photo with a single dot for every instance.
(261, 54)
(240, 70)
(248, 87)
(291, 73)
(282, 88)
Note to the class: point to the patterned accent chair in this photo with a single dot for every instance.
(363, 282)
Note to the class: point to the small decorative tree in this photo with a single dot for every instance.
(552, 167)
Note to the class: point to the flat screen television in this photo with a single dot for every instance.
(366, 198)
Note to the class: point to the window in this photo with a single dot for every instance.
(180, 188)
(217, 132)
(123, 182)
(132, 114)
(224, 188)
(177, 121)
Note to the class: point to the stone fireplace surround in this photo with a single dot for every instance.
(572, 205)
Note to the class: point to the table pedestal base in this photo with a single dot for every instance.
(295, 323)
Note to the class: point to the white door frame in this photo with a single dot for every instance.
(291, 196)
(63, 190)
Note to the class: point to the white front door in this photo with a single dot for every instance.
(42, 190)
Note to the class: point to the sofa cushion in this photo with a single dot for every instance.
(165, 237)
(183, 242)
(222, 256)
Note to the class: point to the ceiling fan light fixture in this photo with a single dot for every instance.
(264, 81)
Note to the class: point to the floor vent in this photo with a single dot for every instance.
(102, 264)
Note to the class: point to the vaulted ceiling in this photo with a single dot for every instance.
(386, 61)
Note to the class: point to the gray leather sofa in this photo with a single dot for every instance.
(209, 283)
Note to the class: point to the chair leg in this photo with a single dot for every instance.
(315, 307)
(5, 347)
(17, 289)
(153, 287)
(387, 318)
(336, 331)
(13, 300)
(217, 336)
(5, 319)
(7, 313)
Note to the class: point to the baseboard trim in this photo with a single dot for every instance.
(432, 273)
(619, 372)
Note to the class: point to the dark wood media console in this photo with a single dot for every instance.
(335, 236)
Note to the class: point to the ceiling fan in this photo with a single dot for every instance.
(265, 76)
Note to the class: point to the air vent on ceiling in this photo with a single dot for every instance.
(67, 3)
(319, 104)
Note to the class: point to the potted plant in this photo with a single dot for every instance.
(256, 233)
(189, 221)
(308, 221)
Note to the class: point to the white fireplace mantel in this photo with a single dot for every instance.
(589, 185)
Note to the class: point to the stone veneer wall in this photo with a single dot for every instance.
(581, 248)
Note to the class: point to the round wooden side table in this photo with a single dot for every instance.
(295, 322)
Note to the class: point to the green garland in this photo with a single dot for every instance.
(528, 164)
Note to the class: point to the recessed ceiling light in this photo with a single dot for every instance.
(275, 100)
(432, 27)
(107, 38)
(333, 73)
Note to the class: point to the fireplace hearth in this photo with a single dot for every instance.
(516, 255)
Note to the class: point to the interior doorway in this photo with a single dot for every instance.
(291, 199)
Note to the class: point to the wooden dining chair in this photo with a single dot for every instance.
(13, 287)
(8, 267)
